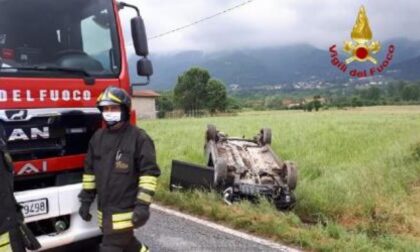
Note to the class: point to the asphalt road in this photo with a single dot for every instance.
(171, 231)
(168, 233)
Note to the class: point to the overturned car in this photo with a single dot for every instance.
(240, 168)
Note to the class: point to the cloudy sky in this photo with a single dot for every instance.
(270, 22)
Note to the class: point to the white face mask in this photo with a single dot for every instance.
(111, 118)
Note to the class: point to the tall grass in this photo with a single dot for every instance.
(356, 171)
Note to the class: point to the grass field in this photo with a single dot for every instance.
(359, 176)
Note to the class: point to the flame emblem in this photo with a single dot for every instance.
(361, 48)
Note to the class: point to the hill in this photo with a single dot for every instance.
(279, 65)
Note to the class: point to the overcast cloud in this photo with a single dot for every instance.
(270, 22)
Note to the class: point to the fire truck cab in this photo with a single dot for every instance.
(56, 57)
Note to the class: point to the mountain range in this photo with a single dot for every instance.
(277, 65)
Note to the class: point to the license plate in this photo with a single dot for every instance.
(34, 207)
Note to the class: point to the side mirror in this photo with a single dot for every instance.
(144, 67)
(138, 32)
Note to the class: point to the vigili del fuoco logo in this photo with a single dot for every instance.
(362, 48)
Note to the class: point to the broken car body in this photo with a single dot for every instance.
(240, 168)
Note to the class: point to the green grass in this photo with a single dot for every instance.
(357, 173)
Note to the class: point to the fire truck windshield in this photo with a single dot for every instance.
(72, 34)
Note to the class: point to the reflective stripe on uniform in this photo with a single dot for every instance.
(148, 182)
(119, 220)
(144, 248)
(89, 185)
(122, 225)
(8, 157)
(149, 187)
(122, 220)
(144, 197)
(6, 248)
(4, 239)
(99, 214)
(122, 216)
(88, 178)
(151, 179)
(5, 243)
(89, 181)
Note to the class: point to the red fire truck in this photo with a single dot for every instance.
(56, 56)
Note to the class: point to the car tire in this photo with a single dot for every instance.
(220, 172)
(211, 133)
(265, 136)
(291, 174)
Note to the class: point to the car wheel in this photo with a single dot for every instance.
(220, 172)
(265, 136)
(291, 175)
(211, 133)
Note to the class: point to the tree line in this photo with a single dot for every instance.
(195, 92)
(394, 93)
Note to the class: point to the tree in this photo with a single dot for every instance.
(392, 90)
(356, 102)
(309, 106)
(410, 93)
(233, 104)
(317, 102)
(164, 104)
(273, 102)
(371, 94)
(216, 96)
(190, 92)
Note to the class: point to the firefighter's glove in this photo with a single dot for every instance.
(141, 214)
(84, 211)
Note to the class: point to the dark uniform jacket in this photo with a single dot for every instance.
(121, 168)
(10, 238)
(8, 209)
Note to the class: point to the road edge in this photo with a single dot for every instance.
(224, 229)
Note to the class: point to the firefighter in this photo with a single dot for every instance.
(10, 216)
(121, 168)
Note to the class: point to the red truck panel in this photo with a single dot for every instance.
(49, 165)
